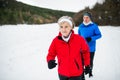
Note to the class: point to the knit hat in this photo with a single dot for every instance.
(67, 19)
(88, 14)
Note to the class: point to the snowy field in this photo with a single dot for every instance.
(23, 50)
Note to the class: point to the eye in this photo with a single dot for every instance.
(61, 26)
(66, 26)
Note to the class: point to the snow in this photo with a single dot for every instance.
(23, 50)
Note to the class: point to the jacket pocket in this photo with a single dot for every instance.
(77, 65)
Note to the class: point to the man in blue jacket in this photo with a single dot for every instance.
(90, 31)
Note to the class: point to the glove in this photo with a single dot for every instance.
(51, 64)
(88, 39)
(90, 74)
(87, 70)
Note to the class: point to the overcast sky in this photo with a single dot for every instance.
(65, 5)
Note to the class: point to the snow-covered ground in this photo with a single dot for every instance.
(23, 50)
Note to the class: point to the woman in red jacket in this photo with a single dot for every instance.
(69, 48)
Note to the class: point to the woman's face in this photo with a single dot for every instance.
(65, 29)
(86, 19)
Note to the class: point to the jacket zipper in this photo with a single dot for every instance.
(68, 43)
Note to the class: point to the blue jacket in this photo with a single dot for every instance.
(92, 31)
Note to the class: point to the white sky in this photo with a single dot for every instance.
(65, 5)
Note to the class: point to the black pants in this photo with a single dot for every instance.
(70, 78)
(91, 63)
(83, 76)
(91, 59)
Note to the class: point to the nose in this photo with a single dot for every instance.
(63, 29)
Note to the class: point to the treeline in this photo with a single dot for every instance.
(107, 13)
(13, 12)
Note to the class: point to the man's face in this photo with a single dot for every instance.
(86, 19)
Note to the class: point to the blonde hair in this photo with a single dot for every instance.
(66, 18)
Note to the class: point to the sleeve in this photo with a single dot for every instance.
(85, 52)
(79, 30)
(51, 52)
(97, 33)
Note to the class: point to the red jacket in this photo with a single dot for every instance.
(69, 54)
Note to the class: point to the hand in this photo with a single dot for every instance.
(51, 64)
(88, 39)
(90, 74)
(87, 70)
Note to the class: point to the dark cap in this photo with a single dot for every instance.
(87, 14)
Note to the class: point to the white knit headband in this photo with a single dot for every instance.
(67, 20)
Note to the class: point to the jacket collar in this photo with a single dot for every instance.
(60, 36)
(87, 24)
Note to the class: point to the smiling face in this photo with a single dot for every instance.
(65, 29)
(86, 19)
